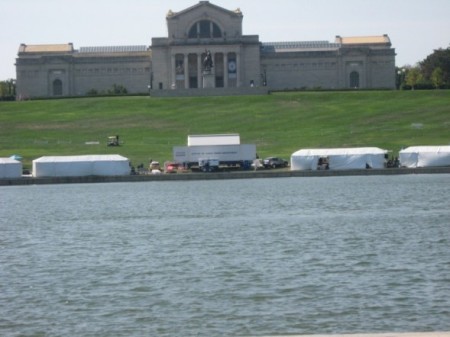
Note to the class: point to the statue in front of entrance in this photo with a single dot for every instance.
(208, 62)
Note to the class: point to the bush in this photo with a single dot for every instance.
(92, 92)
(118, 90)
(7, 98)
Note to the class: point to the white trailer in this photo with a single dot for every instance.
(218, 139)
(241, 155)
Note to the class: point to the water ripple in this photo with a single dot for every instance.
(226, 258)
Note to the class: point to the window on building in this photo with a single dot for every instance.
(204, 29)
(57, 88)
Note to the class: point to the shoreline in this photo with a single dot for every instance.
(218, 176)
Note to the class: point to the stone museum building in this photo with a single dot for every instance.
(206, 52)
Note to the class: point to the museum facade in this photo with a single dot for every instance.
(176, 64)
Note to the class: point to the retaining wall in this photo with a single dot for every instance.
(219, 175)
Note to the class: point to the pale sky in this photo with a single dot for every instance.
(415, 27)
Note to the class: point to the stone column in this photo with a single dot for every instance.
(199, 71)
(225, 70)
(238, 69)
(173, 75)
(186, 71)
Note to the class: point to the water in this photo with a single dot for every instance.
(226, 258)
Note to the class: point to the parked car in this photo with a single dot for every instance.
(208, 165)
(172, 167)
(274, 162)
(154, 167)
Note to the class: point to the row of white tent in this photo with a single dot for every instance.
(305, 159)
(368, 157)
(69, 166)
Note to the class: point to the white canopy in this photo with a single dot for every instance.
(10, 168)
(76, 166)
(425, 156)
(338, 159)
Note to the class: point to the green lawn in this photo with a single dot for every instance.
(278, 124)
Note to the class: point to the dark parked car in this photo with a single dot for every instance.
(274, 162)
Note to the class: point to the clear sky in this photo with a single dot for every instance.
(415, 27)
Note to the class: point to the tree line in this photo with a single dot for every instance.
(431, 73)
(8, 90)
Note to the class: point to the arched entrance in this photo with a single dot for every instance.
(354, 79)
(57, 88)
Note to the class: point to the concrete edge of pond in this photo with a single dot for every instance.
(28, 180)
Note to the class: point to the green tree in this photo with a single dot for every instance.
(437, 77)
(413, 77)
(8, 89)
(440, 58)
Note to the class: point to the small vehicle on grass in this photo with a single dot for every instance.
(113, 141)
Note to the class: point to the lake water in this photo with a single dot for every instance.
(227, 257)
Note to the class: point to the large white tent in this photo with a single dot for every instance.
(425, 156)
(10, 168)
(77, 166)
(338, 159)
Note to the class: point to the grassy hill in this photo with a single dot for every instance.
(278, 124)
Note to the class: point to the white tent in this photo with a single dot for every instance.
(425, 156)
(77, 166)
(338, 159)
(10, 168)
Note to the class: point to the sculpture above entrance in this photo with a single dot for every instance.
(208, 62)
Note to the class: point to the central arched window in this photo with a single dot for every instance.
(204, 29)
